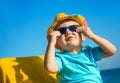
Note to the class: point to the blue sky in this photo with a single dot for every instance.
(23, 25)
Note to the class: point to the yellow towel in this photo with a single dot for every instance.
(25, 70)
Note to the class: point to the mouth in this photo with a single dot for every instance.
(69, 38)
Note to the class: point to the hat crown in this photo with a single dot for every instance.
(60, 15)
(63, 16)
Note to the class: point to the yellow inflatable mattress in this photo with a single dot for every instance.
(25, 70)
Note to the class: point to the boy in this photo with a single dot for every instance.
(75, 63)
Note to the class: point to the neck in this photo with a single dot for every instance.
(75, 50)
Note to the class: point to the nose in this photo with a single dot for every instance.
(68, 32)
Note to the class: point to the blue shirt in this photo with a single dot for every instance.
(79, 68)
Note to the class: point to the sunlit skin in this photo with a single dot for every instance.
(71, 42)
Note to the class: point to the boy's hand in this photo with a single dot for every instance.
(52, 38)
(85, 30)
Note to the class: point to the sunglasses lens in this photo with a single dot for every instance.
(73, 28)
(62, 30)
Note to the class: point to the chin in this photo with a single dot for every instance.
(72, 44)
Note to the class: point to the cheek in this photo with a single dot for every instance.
(78, 38)
(61, 40)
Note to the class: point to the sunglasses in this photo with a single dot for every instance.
(72, 28)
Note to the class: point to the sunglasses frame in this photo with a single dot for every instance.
(62, 30)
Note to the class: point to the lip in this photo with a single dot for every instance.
(69, 38)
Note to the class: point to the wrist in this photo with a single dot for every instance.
(51, 43)
(92, 36)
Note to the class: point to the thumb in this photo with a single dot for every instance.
(82, 37)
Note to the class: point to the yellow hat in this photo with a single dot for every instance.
(62, 16)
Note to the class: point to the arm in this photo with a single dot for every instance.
(50, 62)
(108, 48)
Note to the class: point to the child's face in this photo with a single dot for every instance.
(70, 39)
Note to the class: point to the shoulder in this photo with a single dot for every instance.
(90, 47)
(93, 51)
(58, 53)
(87, 47)
(61, 53)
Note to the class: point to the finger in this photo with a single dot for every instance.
(82, 37)
(83, 29)
(57, 33)
(79, 29)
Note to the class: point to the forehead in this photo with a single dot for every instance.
(67, 23)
